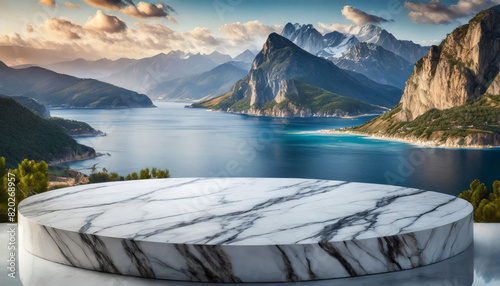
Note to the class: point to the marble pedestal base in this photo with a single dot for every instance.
(244, 229)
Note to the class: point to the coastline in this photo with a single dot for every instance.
(418, 142)
(295, 116)
(74, 158)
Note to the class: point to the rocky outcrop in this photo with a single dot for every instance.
(464, 67)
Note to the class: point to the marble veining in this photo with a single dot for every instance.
(245, 229)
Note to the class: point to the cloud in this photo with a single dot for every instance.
(342, 28)
(47, 2)
(361, 18)
(71, 5)
(437, 13)
(107, 36)
(29, 28)
(147, 10)
(202, 36)
(248, 31)
(63, 28)
(106, 23)
(109, 4)
(142, 10)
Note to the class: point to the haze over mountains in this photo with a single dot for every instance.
(183, 76)
(54, 89)
(286, 80)
(373, 54)
(201, 86)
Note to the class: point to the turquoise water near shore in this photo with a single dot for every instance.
(195, 142)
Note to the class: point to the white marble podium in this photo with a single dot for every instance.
(244, 229)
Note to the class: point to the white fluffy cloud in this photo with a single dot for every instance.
(63, 28)
(342, 28)
(436, 12)
(361, 18)
(148, 10)
(248, 31)
(105, 23)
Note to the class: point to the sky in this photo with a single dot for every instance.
(45, 31)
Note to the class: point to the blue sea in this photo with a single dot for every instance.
(200, 143)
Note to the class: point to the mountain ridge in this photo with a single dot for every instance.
(334, 44)
(283, 72)
(54, 89)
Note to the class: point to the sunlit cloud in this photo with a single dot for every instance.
(47, 2)
(71, 5)
(109, 4)
(436, 12)
(148, 10)
(142, 10)
(361, 18)
(249, 31)
(106, 23)
(342, 28)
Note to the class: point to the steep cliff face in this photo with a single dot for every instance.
(461, 69)
(452, 98)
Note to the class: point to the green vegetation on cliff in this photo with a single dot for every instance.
(307, 98)
(74, 127)
(481, 116)
(486, 204)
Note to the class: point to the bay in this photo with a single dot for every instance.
(199, 143)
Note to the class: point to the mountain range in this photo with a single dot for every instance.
(369, 50)
(201, 86)
(86, 69)
(334, 44)
(286, 80)
(54, 89)
(376, 63)
(452, 98)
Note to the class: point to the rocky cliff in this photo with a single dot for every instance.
(461, 69)
(452, 98)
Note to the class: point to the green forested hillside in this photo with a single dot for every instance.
(24, 135)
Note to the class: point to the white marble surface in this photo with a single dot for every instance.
(245, 230)
(478, 265)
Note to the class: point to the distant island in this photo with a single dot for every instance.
(452, 98)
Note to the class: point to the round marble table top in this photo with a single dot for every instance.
(242, 211)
